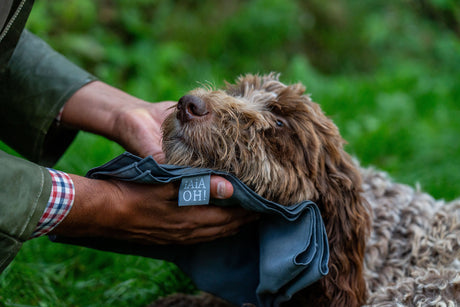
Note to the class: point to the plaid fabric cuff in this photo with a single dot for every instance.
(59, 203)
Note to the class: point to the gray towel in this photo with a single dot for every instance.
(264, 264)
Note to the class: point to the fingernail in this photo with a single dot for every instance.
(221, 189)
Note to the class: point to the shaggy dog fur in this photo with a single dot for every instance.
(413, 254)
(279, 143)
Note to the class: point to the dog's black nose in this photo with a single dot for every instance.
(191, 108)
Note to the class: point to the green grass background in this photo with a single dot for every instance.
(386, 72)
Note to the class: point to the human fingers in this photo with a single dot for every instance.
(189, 225)
(215, 223)
(211, 233)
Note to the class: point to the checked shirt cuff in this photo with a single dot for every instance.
(59, 203)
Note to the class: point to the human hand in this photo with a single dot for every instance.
(148, 214)
(137, 128)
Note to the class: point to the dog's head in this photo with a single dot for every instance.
(270, 135)
(277, 141)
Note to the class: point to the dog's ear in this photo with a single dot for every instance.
(347, 221)
(337, 191)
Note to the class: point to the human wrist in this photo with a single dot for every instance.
(91, 211)
(96, 107)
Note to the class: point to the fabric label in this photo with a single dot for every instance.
(195, 190)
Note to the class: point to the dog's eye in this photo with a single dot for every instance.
(280, 122)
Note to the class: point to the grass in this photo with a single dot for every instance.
(46, 274)
(386, 74)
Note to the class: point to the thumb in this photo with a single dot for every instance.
(221, 188)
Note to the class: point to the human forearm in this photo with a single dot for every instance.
(95, 107)
(133, 123)
(91, 201)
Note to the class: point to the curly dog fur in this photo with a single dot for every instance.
(278, 141)
(413, 253)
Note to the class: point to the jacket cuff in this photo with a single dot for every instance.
(25, 191)
(36, 85)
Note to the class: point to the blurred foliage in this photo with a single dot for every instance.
(386, 72)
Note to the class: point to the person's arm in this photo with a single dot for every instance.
(82, 207)
(147, 213)
(36, 201)
(133, 123)
(35, 85)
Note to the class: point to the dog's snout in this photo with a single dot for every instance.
(191, 108)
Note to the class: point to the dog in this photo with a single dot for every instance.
(277, 141)
(272, 135)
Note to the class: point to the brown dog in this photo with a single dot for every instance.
(279, 143)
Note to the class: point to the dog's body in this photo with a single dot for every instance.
(279, 143)
(413, 254)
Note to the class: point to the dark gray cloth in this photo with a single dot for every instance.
(264, 264)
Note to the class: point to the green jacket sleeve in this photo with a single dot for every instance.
(24, 192)
(34, 87)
